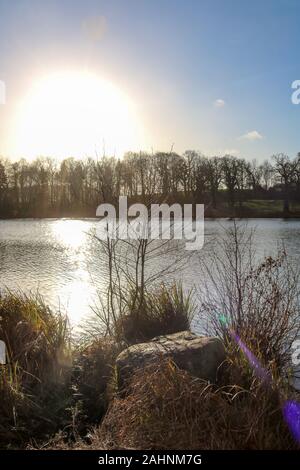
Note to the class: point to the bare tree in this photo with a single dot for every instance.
(133, 267)
(285, 169)
(256, 299)
(267, 172)
(214, 175)
(231, 171)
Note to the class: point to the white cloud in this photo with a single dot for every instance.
(232, 152)
(252, 135)
(219, 103)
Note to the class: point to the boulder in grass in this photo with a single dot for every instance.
(201, 356)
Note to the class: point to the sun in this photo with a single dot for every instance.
(75, 114)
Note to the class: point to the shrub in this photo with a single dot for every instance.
(257, 300)
(93, 372)
(163, 311)
(33, 383)
(167, 408)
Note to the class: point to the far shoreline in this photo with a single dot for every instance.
(224, 217)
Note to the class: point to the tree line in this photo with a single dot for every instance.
(46, 187)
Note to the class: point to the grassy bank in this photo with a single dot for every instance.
(33, 382)
(249, 208)
(254, 208)
(58, 395)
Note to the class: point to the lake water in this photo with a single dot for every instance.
(60, 260)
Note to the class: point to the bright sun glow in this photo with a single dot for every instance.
(75, 114)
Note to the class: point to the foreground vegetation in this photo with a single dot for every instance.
(34, 381)
(63, 395)
(59, 396)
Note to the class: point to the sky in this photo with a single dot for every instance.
(208, 75)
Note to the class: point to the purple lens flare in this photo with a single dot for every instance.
(290, 409)
(291, 413)
(259, 370)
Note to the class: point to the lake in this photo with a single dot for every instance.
(59, 259)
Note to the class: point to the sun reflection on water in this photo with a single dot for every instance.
(76, 294)
(71, 234)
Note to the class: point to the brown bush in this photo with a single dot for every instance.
(169, 409)
(93, 371)
(33, 383)
(163, 311)
(256, 299)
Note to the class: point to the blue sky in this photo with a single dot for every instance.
(174, 59)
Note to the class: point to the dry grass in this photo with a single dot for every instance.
(92, 378)
(33, 382)
(164, 310)
(163, 407)
(169, 409)
(258, 300)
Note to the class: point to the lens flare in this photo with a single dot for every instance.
(260, 371)
(290, 409)
(291, 413)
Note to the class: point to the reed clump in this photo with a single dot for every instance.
(167, 408)
(161, 311)
(34, 380)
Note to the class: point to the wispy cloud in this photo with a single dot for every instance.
(219, 103)
(252, 135)
(233, 152)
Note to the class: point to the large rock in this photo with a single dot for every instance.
(201, 356)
